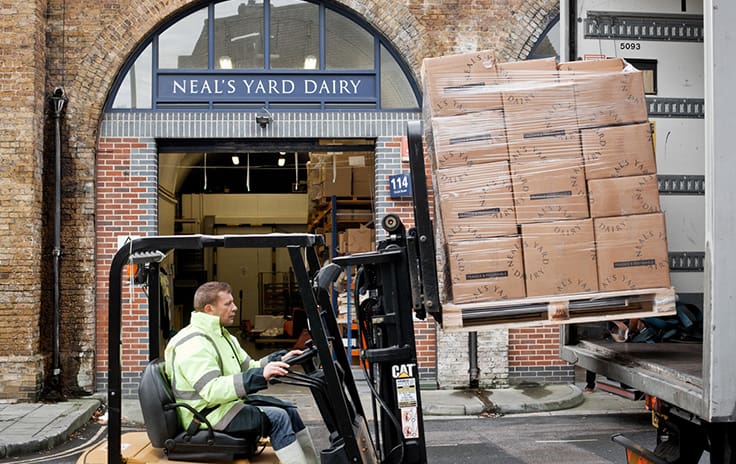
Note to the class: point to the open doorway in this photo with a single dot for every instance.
(224, 187)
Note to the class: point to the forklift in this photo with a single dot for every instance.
(397, 282)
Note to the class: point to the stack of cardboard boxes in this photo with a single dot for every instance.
(345, 176)
(340, 175)
(545, 175)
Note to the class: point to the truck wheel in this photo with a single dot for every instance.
(680, 441)
(722, 443)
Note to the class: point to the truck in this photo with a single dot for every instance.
(690, 388)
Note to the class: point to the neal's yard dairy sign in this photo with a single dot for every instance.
(182, 88)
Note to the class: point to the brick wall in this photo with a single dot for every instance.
(392, 158)
(534, 356)
(22, 251)
(127, 189)
(81, 46)
(453, 353)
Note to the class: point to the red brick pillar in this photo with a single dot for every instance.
(126, 206)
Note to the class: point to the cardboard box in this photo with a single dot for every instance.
(607, 92)
(632, 252)
(476, 202)
(559, 257)
(534, 100)
(622, 196)
(461, 83)
(363, 182)
(337, 176)
(360, 240)
(362, 167)
(534, 108)
(333, 172)
(618, 151)
(594, 66)
(607, 99)
(469, 139)
(341, 186)
(542, 69)
(549, 190)
(546, 147)
(486, 270)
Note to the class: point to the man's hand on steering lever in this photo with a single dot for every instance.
(275, 369)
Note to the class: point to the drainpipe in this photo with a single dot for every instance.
(473, 357)
(57, 101)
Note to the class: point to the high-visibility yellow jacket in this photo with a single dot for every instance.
(208, 368)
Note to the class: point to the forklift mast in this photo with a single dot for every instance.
(393, 284)
(398, 282)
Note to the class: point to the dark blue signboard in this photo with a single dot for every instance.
(399, 185)
(274, 87)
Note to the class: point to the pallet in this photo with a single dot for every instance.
(559, 309)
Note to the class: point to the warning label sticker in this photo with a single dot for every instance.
(409, 422)
(406, 392)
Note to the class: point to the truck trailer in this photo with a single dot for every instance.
(684, 47)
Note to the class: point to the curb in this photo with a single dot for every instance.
(569, 397)
(71, 420)
(451, 403)
(516, 400)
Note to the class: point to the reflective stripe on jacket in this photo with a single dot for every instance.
(207, 367)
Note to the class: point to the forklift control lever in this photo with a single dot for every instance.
(298, 359)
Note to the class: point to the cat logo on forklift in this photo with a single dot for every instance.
(402, 371)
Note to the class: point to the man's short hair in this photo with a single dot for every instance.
(208, 293)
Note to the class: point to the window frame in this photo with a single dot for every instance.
(214, 104)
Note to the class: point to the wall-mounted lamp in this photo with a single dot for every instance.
(264, 118)
(236, 160)
(310, 62)
(282, 159)
(226, 62)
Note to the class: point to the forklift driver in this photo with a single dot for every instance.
(211, 372)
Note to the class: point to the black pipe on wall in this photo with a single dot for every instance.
(473, 357)
(57, 101)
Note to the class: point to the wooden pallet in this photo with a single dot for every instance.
(559, 309)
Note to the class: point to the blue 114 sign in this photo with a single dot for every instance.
(399, 185)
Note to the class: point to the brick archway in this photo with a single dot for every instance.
(101, 38)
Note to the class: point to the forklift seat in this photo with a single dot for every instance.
(163, 428)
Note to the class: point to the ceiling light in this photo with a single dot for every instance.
(236, 160)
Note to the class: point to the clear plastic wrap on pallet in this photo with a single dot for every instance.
(546, 171)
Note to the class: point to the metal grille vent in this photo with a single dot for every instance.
(646, 26)
(676, 107)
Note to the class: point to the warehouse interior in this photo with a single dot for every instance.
(313, 186)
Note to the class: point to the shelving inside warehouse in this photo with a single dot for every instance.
(548, 192)
(341, 191)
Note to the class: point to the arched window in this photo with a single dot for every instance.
(548, 43)
(293, 54)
